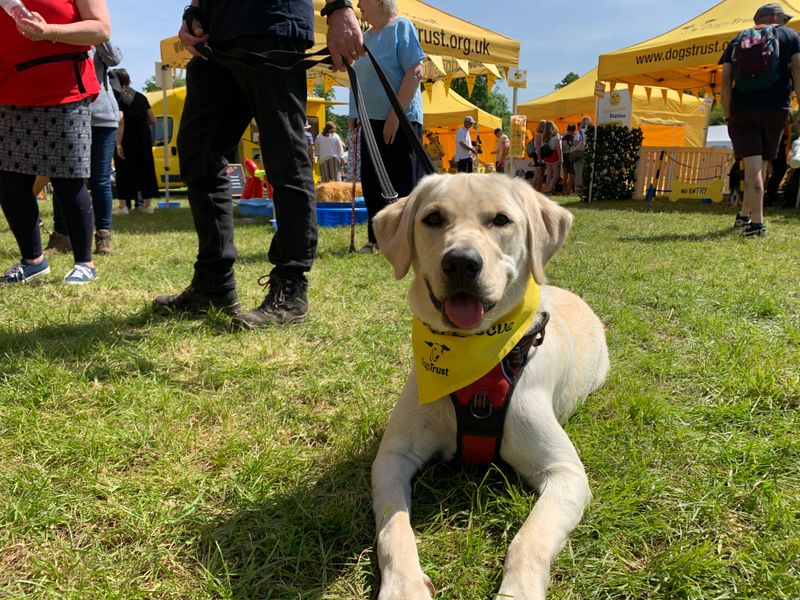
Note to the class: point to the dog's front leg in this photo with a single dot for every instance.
(559, 477)
(410, 441)
(401, 574)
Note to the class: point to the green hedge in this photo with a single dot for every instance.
(617, 154)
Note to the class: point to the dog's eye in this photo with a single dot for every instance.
(434, 219)
(500, 220)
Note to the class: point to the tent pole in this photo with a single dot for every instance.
(165, 130)
(594, 146)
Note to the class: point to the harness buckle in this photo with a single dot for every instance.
(480, 407)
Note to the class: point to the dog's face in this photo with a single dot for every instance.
(473, 242)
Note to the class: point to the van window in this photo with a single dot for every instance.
(158, 131)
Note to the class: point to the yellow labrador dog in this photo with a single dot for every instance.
(473, 242)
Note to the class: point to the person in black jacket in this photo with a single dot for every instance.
(221, 99)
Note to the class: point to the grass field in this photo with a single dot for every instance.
(148, 457)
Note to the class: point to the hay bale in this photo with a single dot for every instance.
(337, 191)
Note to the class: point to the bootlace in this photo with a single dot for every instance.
(277, 291)
(280, 290)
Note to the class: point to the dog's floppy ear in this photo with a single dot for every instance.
(548, 226)
(394, 228)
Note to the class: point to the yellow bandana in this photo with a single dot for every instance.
(447, 362)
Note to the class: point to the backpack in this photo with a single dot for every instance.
(530, 149)
(756, 59)
(566, 147)
(545, 150)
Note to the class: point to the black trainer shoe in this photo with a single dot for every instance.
(741, 221)
(754, 229)
(192, 302)
(286, 303)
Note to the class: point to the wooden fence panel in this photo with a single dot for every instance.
(686, 164)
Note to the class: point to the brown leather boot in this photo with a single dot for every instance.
(102, 242)
(58, 244)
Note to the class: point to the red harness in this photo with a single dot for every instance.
(482, 405)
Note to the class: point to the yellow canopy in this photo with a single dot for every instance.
(666, 118)
(444, 113)
(686, 57)
(443, 108)
(453, 46)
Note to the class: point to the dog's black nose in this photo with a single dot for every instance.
(462, 264)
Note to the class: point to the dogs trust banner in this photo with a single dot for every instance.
(685, 58)
(453, 46)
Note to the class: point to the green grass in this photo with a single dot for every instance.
(143, 457)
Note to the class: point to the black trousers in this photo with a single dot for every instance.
(402, 166)
(465, 165)
(220, 102)
(22, 213)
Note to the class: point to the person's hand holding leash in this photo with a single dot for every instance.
(345, 40)
(194, 38)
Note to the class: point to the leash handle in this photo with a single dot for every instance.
(387, 189)
(190, 15)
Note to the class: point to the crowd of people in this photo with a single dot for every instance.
(88, 117)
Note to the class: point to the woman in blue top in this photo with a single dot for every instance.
(394, 43)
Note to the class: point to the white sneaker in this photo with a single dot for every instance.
(148, 210)
(122, 210)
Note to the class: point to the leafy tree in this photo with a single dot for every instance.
(492, 102)
(339, 120)
(568, 78)
(150, 83)
(717, 115)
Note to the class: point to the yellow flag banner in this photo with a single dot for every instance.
(448, 79)
(429, 89)
(447, 362)
(470, 84)
(490, 79)
(310, 86)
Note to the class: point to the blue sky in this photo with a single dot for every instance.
(554, 40)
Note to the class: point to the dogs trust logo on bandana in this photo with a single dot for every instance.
(447, 362)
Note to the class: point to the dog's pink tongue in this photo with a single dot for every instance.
(464, 311)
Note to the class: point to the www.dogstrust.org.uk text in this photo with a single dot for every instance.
(713, 48)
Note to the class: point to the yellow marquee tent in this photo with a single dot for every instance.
(453, 46)
(443, 108)
(686, 58)
(665, 117)
(444, 111)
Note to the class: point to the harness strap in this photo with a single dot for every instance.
(481, 407)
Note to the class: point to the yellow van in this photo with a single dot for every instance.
(248, 146)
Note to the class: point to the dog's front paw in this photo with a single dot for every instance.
(401, 587)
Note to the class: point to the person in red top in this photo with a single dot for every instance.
(47, 83)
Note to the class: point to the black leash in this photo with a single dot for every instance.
(273, 61)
